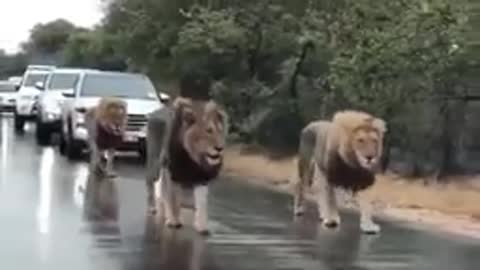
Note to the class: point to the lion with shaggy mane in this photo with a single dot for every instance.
(185, 143)
(342, 153)
(106, 125)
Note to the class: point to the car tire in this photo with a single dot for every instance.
(142, 154)
(19, 122)
(73, 149)
(43, 133)
(62, 144)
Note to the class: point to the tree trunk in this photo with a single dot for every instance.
(293, 81)
(448, 147)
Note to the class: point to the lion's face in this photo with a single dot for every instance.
(367, 146)
(202, 134)
(113, 115)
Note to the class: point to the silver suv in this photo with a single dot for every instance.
(136, 89)
(48, 119)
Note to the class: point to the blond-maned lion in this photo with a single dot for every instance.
(185, 143)
(343, 153)
(106, 125)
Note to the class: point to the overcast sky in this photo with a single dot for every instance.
(17, 17)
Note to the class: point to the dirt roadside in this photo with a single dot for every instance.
(454, 207)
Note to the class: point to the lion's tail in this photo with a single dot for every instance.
(305, 170)
(305, 155)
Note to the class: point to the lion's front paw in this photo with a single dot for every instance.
(201, 229)
(332, 221)
(299, 211)
(152, 210)
(369, 227)
(174, 224)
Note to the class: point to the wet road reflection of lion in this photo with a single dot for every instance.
(173, 249)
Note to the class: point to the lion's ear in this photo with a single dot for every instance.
(380, 125)
(188, 116)
(223, 117)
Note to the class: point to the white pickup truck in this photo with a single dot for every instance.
(136, 89)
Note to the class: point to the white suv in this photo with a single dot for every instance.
(136, 89)
(49, 102)
(32, 84)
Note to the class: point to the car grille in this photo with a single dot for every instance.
(136, 122)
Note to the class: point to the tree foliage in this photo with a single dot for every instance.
(50, 37)
(94, 49)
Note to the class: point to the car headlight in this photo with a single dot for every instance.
(52, 107)
(80, 119)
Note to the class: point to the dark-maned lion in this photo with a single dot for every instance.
(185, 145)
(342, 153)
(106, 124)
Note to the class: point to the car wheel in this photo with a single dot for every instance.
(142, 154)
(19, 122)
(73, 148)
(62, 144)
(43, 133)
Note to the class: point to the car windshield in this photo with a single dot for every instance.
(118, 85)
(63, 81)
(7, 87)
(32, 78)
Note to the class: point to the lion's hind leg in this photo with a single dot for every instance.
(305, 175)
(158, 195)
(327, 201)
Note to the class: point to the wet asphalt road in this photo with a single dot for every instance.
(42, 226)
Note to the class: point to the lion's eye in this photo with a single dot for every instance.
(209, 130)
(361, 140)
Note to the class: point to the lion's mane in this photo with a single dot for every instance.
(107, 126)
(328, 144)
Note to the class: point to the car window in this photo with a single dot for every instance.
(32, 78)
(63, 81)
(119, 85)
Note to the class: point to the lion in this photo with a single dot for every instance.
(106, 124)
(342, 153)
(185, 143)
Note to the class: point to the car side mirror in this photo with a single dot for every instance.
(39, 85)
(68, 93)
(164, 98)
(17, 87)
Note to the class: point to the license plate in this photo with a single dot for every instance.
(131, 137)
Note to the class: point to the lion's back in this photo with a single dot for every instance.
(313, 139)
(157, 122)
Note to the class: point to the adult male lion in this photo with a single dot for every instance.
(185, 145)
(106, 124)
(342, 153)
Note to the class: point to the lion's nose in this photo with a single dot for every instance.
(218, 148)
(369, 158)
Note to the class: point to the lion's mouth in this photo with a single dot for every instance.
(213, 159)
(368, 164)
